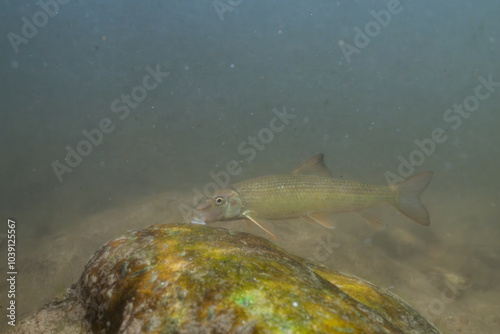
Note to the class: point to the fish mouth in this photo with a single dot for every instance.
(198, 221)
(197, 218)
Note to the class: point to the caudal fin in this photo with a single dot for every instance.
(408, 197)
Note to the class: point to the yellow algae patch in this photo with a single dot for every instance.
(193, 279)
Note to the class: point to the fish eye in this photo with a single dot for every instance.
(219, 200)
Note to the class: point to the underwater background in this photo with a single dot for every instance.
(121, 114)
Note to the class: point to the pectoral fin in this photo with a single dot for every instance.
(321, 218)
(246, 215)
(372, 219)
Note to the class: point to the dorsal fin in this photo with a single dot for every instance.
(314, 166)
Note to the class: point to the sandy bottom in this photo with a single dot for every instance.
(448, 271)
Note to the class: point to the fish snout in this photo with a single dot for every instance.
(198, 217)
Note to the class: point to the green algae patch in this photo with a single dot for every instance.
(385, 303)
(196, 279)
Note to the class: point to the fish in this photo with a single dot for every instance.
(311, 192)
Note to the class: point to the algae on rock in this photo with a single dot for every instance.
(197, 279)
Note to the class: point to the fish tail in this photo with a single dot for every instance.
(408, 197)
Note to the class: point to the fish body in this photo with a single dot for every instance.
(297, 195)
(310, 191)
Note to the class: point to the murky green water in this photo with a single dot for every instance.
(117, 115)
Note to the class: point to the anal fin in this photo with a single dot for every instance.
(372, 219)
(321, 218)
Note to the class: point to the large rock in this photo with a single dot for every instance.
(196, 279)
